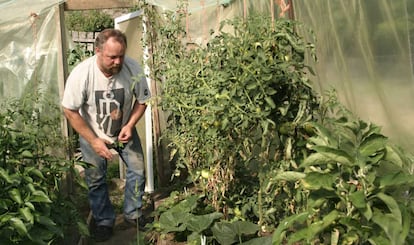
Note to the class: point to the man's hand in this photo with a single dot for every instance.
(99, 146)
(125, 134)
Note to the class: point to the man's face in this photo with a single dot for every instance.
(110, 57)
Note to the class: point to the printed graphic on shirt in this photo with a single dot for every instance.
(109, 106)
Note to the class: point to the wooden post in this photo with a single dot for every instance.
(62, 67)
(62, 73)
(291, 10)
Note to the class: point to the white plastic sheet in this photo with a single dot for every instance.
(365, 52)
(28, 50)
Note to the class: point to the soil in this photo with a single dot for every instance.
(124, 234)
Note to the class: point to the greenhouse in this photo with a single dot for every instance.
(271, 121)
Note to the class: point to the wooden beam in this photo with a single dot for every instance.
(97, 4)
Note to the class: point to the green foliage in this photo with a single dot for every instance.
(33, 208)
(230, 99)
(182, 217)
(357, 185)
(88, 21)
(76, 55)
(239, 106)
(262, 151)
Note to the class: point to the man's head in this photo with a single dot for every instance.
(110, 47)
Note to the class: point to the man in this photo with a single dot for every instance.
(103, 101)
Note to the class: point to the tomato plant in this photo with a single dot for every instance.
(236, 106)
(268, 161)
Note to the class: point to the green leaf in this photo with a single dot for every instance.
(390, 225)
(378, 240)
(194, 239)
(36, 172)
(290, 176)
(5, 176)
(14, 194)
(372, 144)
(270, 102)
(251, 85)
(316, 181)
(357, 198)
(367, 212)
(26, 154)
(199, 223)
(396, 179)
(83, 228)
(392, 206)
(18, 224)
(393, 155)
(5, 218)
(324, 136)
(26, 214)
(39, 196)
(223, 233)
(267, 240)
(316, 159)
(406, 227)
(315, 228)
(3, 205)
(336, 155)
(244, 227)
(45, 220)
(287, 223)
(29, 205)
(171, 221)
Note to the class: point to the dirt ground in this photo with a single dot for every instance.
(124, 234)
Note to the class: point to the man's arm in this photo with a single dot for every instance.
(126, 132)
(80, 126)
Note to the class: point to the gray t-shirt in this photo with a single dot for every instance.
(105, 103)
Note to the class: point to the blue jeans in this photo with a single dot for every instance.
(100, 204)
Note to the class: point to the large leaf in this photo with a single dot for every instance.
(244, 227)
(315, 228)
(15, 195)
(393, 155)
(390, 225)
(336, 155)
(5, 176)
(18, 224)
(237, 229)
(45, 220)
(223, 233)
(290, 175)
(27, 214)
(396, 179)
(316, 181)
(259, 241)
(372, 144)
(357, 198)
(324, 136)
(199, 223)
(173, 221)
(39, 196)
(392, 206)
(316, 159)
(279, 234)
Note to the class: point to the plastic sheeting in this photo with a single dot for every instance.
(364, 52)
(206, 15)
(29, 48)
